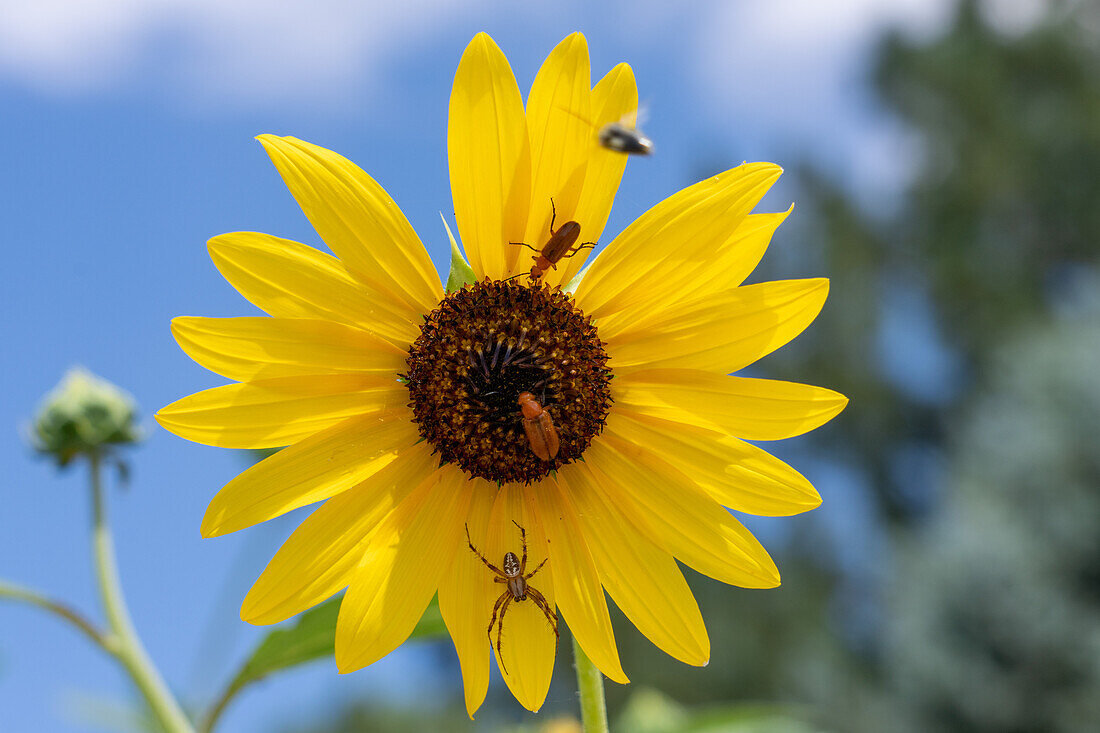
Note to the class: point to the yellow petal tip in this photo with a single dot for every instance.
(251, 615)
(482, 42)
(210, 527)
(577, 37)
(618, 676)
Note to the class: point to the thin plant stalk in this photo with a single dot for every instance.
(590, 689)
(127, 646)
(14, 592)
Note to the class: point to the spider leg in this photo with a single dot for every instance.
(532, 573)
(488, 564)
(542, 603)
(500, 629)
(523, 541)
(493, 618)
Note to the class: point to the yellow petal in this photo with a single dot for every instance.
(613, 98)
(527, 642)
(643, 580)
(244, 349)
(721, 333)
(271, 413)
(679, 516)
(489, 156)
(319, 558)
(400, 572)
(656, 255)
(739, 255)
(576, 582)
(322, 465)
(734, 473)
(292, 280)
(359, 221)
(754, 409)
(558, 110)
(466, 599)
(726, 269)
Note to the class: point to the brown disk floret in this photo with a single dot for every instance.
(483, 346)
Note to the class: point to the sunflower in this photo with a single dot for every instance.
(396, 400)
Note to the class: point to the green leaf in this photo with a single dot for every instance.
(752, 718)
(461, 272)
(311, 638)
(650, 711)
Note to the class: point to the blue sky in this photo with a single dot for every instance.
(127, 130)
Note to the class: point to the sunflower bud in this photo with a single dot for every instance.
(83, 415)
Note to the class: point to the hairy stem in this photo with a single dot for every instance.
(65, 613)
(128, 648)
(590, 688)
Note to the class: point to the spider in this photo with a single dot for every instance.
(515, 575)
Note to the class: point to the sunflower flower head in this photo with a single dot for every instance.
(485, 345)
(514, 448)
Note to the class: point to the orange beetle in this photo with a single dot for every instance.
(558, 247)
(540, 430)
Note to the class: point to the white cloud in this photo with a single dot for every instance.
(797, 70)
(213, 48)
(64, 45)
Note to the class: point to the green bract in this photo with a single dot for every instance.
(83, 415)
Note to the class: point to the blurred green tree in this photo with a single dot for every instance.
(1000, 211)
(995, 615)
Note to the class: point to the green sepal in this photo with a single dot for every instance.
(573, 284)
(461, 273)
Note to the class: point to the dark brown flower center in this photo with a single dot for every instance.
(479, 350)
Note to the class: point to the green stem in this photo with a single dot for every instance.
(214, 714)
(128, 649)
(26, 595)
(590, 687)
